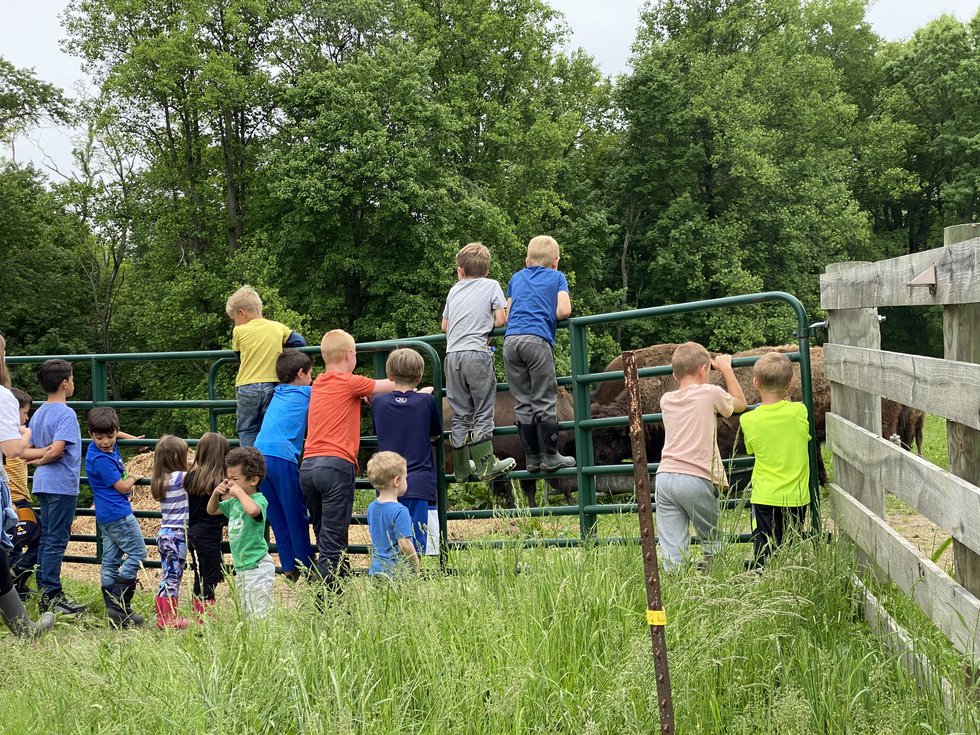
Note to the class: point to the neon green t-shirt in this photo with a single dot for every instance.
(777, 434)
(246, 535)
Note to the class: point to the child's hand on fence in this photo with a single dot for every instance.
(428, 390)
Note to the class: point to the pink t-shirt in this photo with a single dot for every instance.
(690, 426)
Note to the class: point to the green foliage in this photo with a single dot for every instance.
(25, 101)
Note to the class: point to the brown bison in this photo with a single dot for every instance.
(612, 445)
(509, 445)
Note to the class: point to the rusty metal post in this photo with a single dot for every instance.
(656, 617)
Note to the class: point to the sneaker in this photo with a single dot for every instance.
(58, 603)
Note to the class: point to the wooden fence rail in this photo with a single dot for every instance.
(867, 466)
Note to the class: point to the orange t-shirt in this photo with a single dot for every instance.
(334, 418)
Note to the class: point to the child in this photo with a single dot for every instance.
(204, 530)
(690, 466)
(258, 341)
(330, 453)
(537, 298)
(14, 440)
(121, 533)
(388, 520)
(281, 442)
(167, 487)
(56, 441)
(238, 498)
(777, 433)
(475, 306)
(406, 422)
(23, 557)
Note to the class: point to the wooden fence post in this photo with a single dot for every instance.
(857, 328)
(961, 341)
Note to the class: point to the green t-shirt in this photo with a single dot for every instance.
(246, 535)
(778, 434)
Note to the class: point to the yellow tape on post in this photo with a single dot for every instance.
(656, 617)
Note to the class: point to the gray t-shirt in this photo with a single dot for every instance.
(469, 311)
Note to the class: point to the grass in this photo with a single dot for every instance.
(561, 647)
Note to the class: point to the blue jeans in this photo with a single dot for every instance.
(120, 537)
(253, 401)
(57, 514)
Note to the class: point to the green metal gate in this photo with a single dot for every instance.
(580, 381)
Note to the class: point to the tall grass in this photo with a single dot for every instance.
(519, 641)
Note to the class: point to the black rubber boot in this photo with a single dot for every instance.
(528, 434)
(20, 583)
(551, 460)
(15, 616)
(115, 605)
(133, 619)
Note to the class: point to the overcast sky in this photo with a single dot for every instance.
(30, 33)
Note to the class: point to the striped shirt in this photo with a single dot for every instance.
(173, 506)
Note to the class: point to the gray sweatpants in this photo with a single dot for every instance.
(471, 389)
(255, 587)
(529, 362)
(681, 500)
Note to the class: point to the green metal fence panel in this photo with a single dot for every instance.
(580, 381)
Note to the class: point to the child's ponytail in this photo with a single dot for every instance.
(169, 456)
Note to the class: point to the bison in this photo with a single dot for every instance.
(509, 445)
(612, 445)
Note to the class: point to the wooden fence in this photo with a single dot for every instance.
(867, 466)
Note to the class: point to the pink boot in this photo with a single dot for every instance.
(167, 616)
(202, 608)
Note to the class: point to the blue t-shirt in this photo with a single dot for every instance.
(534, 299)
(404, 423)
(105, 469)
(284, 425)
(387, 523)
(54, 422)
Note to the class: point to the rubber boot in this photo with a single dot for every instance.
(167, 616)
(551, 460)
(461, 459)
(20, 583)
(129, 589)
(488, 467)
(15, 616)
(115, 606)
(528, 434)
(202, 608)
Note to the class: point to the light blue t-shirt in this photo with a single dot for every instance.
(387, 523)
(103, 470)
(54, 422)
(284, 425)
(534, 300)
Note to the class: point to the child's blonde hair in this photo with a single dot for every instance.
(4, 375)
(209, 464)
(335, 345)
(773, 372)
(245, 299)
(169, 456)
(384, 467)
(405, 366)
(688, 358)
(474, 259)
(542, 250)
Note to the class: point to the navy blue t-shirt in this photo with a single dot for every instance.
(105, 469)
(534, 299)
(404, 423)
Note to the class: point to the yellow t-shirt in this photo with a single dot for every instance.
(778, 435)
(260, 343)
(17, 473)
